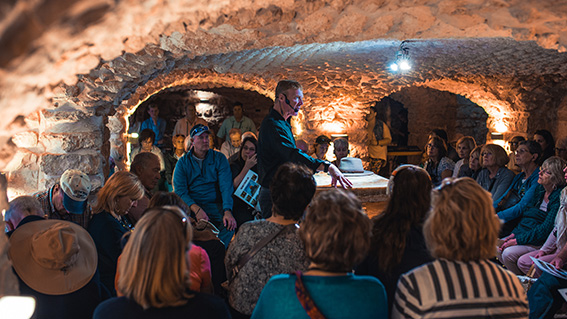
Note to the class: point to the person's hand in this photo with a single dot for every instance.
(557, 262)
(251, 161)
(540, 254)
(199, 212)
(337, 176)
(508, 243)
(228, 220)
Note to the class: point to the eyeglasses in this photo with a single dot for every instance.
(521, 151)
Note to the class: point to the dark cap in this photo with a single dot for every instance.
(322, 139)
(198, 130)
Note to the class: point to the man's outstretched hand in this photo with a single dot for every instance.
(337, 176)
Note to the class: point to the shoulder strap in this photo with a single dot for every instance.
(245, 258)
(305, 299)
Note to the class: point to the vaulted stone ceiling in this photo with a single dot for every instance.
(104, 57)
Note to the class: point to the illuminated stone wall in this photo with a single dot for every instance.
(71, 71)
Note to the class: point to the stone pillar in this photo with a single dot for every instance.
(61, 138)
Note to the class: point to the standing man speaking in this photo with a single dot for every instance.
(276, 144)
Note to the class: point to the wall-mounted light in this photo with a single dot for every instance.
(402, 62)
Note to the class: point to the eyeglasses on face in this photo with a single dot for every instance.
(521, 151)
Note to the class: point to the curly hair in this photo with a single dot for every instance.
(336, 232)
(462, 224)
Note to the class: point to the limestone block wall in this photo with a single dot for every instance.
(62, 138)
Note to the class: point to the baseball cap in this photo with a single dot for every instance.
(198, 130)
(322, 139)
(76, 187)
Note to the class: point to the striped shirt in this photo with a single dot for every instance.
(453, 289)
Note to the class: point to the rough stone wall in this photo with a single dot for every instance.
(103, 58)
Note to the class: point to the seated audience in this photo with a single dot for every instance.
(336, 235)
(514, 200)
(184, 125)
(561, 148)
(56, 263)
(154, 273)
(545, 139)
(474, 162)
(232, 144)
(154, 123)
(460, 231)
(109, 222)
(202, 178)
(68, 199)
(321, 146)
(514, 142)
(465, 145)
(554, 243)
(172, 158)
(23, 209)
(400, 225)
(240, 166)
(544, 298)
(146, 138)
(494, 177)
(538, 218)
(147, 168)
(341, 150)
(451, 152)
(204, 236)
(237, 120)
(438, 165)
(292, 189)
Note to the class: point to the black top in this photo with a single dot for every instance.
(26, 220)
(276, 146)
(200, 306)
(415, 254)
(107, 233)
(76, 305)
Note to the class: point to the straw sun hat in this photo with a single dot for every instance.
(53, 257)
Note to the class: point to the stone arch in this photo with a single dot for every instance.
(340, 80)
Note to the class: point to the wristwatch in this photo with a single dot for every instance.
(326, 165)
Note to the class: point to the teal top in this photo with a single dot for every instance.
(347, 296)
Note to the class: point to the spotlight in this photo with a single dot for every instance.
(402, 62)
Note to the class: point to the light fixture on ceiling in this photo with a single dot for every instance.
(402, 62)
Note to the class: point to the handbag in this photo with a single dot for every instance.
(305, 298)
(232, 273)
(204, 230)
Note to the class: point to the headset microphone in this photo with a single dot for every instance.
(289, 103)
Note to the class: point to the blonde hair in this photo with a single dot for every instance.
(555, 166)
(118, 185)
(499, 153)
(336, 232)
(462, 224)
(153, 267)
